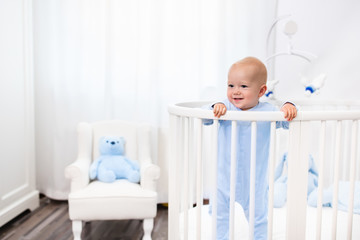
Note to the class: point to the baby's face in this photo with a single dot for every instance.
(243, 90)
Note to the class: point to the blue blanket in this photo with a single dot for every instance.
(343, 197)
(280, 187)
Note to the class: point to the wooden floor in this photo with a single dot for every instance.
(51, 221)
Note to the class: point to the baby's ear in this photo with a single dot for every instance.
(262, 91)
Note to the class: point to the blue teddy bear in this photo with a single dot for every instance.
(112, 164)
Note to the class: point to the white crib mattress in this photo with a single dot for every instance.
(279, 224)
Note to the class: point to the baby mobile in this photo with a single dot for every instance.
(312, 86)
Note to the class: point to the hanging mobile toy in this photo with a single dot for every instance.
(270, 88)
(289, 30)
(313, 86)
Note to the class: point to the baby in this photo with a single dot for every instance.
(246, 84)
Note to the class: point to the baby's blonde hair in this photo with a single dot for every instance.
(259, 70)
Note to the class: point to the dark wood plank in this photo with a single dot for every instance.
(27, 221)
(160, 231)
(50, 221)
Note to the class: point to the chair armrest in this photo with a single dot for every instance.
(149, 174)
(78, 173)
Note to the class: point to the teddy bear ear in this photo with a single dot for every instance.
(122, 140)
(101, 139)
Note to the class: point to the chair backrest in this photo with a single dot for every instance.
(128, 130)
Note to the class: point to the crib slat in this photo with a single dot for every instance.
(336, 179)
(214, 190)
(192, 159)
(345, 150)
(353, 157)
(199, 177)
(174, 195)
(271, 178)
(297, 181)
(186, 178)
(232, 178)
(321, 179)
(252, 180)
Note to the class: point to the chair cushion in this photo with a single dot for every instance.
(111, 201)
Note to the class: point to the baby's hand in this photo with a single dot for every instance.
(289, 110)
(219, 110)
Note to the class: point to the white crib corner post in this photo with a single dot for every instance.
(297, 180)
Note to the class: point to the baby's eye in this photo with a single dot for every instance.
(244, 86)
(230, 85)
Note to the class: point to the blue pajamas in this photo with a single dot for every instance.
(243, 152)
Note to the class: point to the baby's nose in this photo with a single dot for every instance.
(237, 91)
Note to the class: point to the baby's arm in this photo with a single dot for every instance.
(219, 109)
(289, 110)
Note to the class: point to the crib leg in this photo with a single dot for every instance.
(77, 228)
(148, 227)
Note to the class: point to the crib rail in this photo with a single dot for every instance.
(187, 146)
(193, 110)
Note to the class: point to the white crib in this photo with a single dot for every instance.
(326, 130)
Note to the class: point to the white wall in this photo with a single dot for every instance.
(330, 30)
(17, 150)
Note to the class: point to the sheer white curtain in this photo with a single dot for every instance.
(117, 59)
